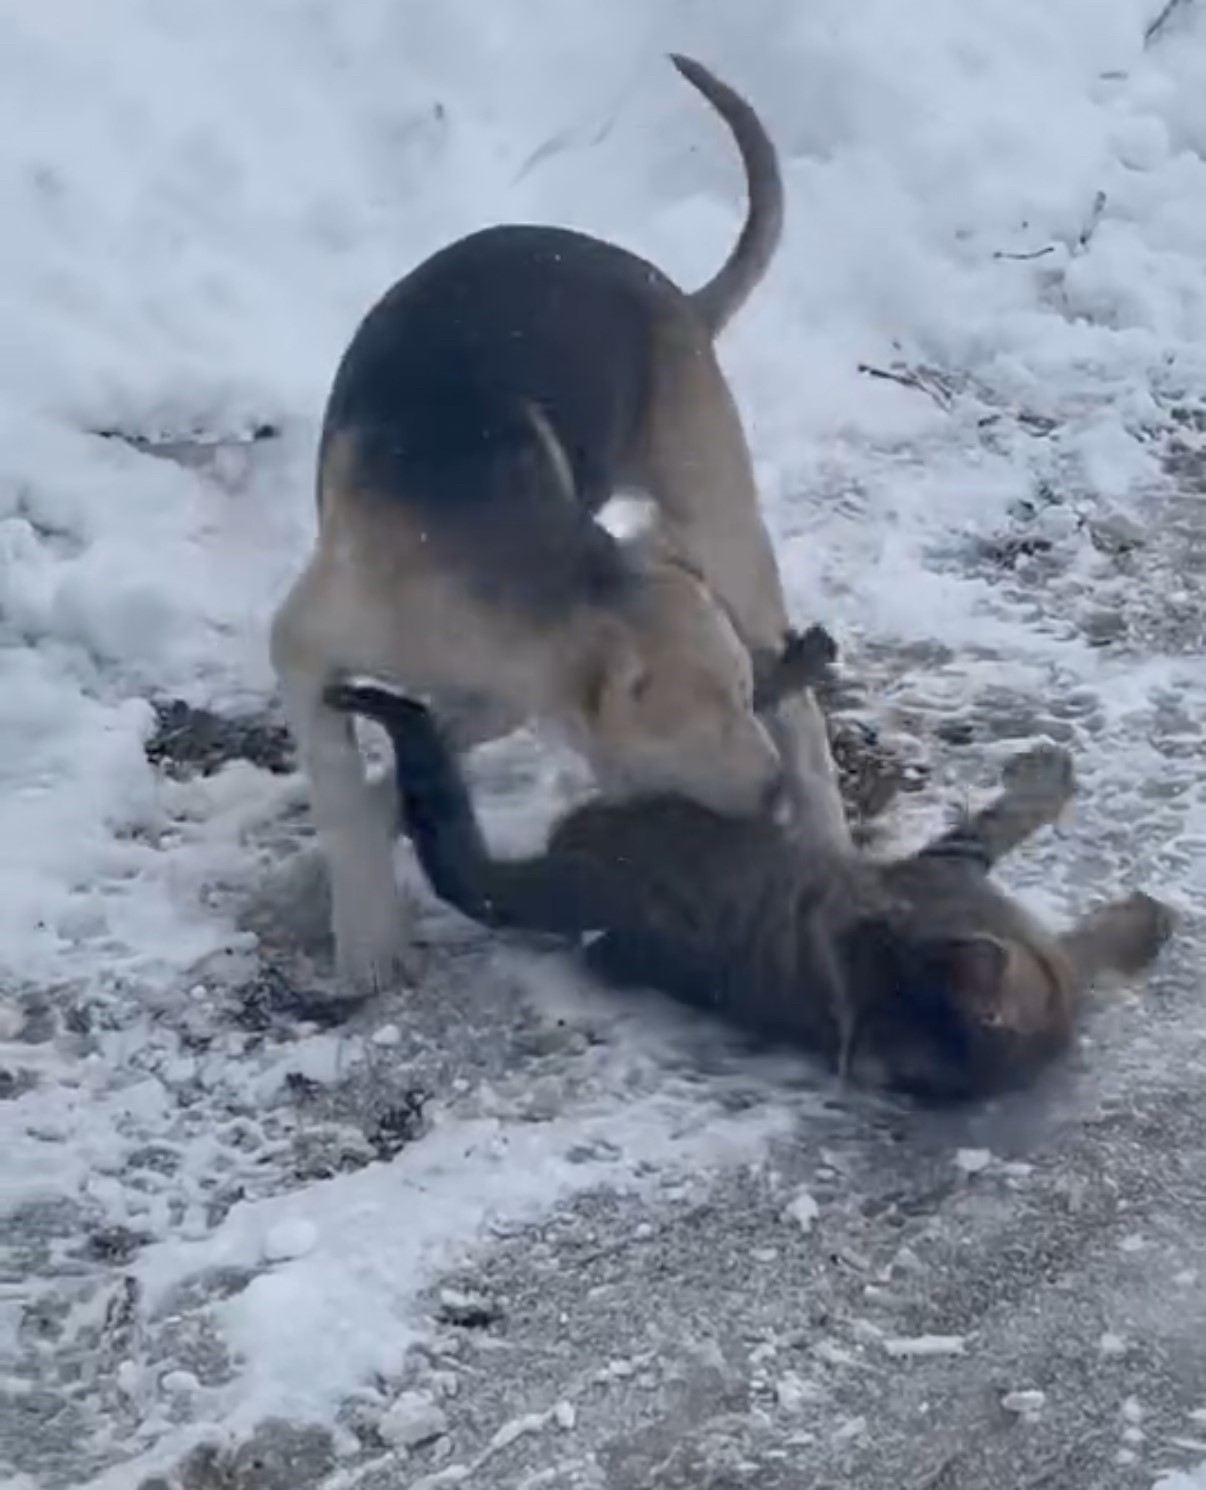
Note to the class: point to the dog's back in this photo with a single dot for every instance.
(501, 390)
(443, 368)
(547, 317)
(495, 393)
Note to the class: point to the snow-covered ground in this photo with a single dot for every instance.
(976, 385)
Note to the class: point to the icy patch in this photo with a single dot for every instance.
(1027, 1402)
(1194, 1479)
(804, 1211)
(413, 1419)
(925, 1346)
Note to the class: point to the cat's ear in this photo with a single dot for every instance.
(973, 968)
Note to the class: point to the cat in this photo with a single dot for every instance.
(917, 974)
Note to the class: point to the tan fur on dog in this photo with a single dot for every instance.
(485, 411)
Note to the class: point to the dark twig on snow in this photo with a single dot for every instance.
(1084, 237)
(1166, 14)
(562, 141)
(178, 447)
(1035, 253)
(909, 378)
(1086, 233)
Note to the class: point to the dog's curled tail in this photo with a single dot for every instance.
(724, 295)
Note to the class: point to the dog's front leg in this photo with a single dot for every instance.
(797, 726)
(356, 829)
(699, 473)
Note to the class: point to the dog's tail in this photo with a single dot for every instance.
(724, 295)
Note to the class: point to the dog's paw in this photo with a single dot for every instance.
(805, 661)
(362, 974)
(374, 950)
(815, 643)
(1046, 772)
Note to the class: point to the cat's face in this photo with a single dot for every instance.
(926, 1005)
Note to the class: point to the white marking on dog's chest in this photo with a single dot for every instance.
(627, 516)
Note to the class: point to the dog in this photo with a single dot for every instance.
(484, 413)
(916, 974)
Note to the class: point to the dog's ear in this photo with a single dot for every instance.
(805, 661)
(616, 677)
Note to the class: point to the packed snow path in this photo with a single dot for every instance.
(510, 1231)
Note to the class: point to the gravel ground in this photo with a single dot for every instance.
(1011, 1296)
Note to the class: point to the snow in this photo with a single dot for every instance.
(1004, 203)
(413, 1419)
(312, 1329)
(291, 1238)
(1025, 1402)
(803, 1210)
(1180, 1480)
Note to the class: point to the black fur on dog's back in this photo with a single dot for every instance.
(441, 393)
(440, 366)
(498, 390)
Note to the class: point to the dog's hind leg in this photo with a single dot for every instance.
(1122, 937)
(370, 921)
(699, 473)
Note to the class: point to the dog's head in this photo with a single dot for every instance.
(667, 703)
